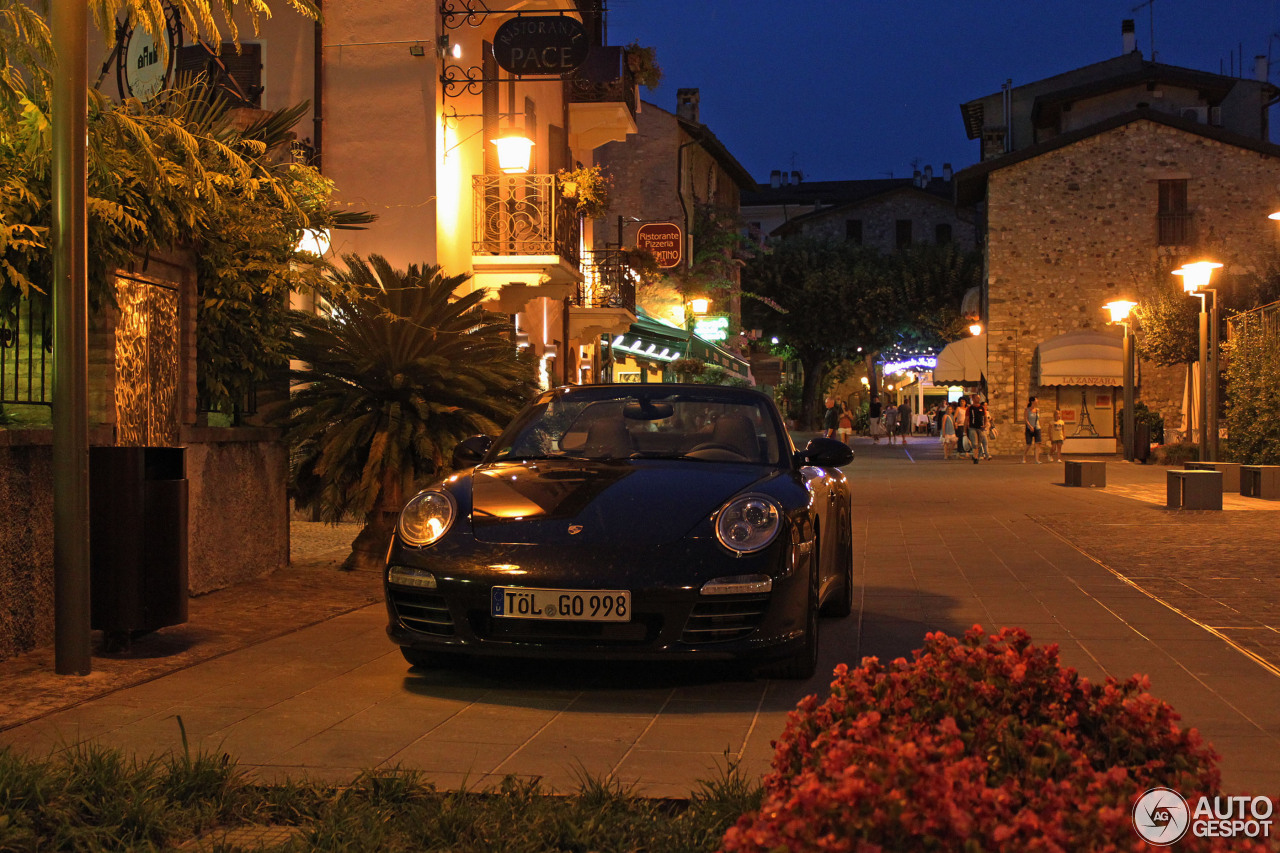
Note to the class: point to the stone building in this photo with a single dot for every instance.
(674, 171)
(1093, 186)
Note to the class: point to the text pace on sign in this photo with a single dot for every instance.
(663, 240)
(540, 44)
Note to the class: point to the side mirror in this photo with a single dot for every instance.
(470, 451)
(826, 453)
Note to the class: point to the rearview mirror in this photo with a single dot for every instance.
(470, 451)
(826, 453)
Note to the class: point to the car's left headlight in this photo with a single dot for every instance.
(748, 523)
(426, 517)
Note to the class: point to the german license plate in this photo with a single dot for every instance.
(575, 605)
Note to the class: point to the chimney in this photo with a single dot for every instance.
(928, 175)
(915, 177)
(1127, 36)
(1260, 68)
(687, 105)
(946, 171)
(796, 178)
(775, 178)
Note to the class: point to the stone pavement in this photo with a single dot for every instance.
(1120, 583)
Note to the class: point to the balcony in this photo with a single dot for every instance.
(526, 233)
(602, 99)
(605, 303)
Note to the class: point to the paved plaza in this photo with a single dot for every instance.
(293, 675)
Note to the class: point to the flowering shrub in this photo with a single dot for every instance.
(979, 743)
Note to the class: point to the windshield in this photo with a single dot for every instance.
(623, 424)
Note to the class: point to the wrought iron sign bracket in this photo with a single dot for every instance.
(472, 13)
(455, 80)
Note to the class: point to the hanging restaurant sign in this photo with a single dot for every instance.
(540, 44)
(663, 240)
(143, 66)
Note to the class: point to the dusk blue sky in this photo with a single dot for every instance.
(843, 89)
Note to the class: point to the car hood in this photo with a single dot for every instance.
(648, 502)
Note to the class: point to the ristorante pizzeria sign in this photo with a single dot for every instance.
(540, 44)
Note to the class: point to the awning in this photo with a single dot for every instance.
(962, 362)
(1081, 358)
(653, 340)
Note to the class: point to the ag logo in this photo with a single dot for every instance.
(1161, 816)
(575, 529)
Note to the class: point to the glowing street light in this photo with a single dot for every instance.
(1119, 310)
(975, 329)
(1195, 281)
(700, 305)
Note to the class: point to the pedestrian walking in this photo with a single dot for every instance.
(1057, 435)
(977, 428)
(962, 427)
(845, 428)
(891, 421)
(904, 420)
(1031, 427)
(873, 419)
(948, 431)
(830, 419)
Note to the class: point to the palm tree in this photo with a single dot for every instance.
(396, 374)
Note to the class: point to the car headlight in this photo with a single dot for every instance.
(426, 517)
(748, 523)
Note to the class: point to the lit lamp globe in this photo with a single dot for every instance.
(975, 329)
(1119, 310)
(514, 153)
(699, 306)
(1197, 275)
(314, 241)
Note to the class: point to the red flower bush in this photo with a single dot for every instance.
(979, 743)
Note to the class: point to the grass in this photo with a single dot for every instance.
(96, 799)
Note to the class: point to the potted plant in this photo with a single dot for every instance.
(589, 187)
(643, 64)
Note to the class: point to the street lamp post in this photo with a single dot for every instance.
(1195, 279)
(1120, 309)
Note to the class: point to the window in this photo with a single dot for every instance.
(853, 231)
(1173, 218)
(903, 233)
(235, 75)
(942, 233)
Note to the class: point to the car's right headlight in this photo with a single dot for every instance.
(426, 517)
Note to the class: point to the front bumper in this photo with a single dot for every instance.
(670, 617)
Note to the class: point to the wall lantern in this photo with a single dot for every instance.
(514, 152)
(1119, 310)
(1197, 275)
(699, 305)
(975, 329)
(314, 241)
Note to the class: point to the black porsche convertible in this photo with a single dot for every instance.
(629, 522)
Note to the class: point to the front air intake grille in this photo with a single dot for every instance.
(726, 617)
(424, 612)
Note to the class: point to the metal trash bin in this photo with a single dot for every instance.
(1141, 442)
(137, 540)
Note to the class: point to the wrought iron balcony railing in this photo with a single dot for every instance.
(603, 78)
(606, 282)
(524, 215)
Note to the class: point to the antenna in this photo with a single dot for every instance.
(1150, 6)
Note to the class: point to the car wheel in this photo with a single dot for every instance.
(419, 658)
(804, 663)
(841, 604)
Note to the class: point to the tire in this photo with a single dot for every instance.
(417, 658)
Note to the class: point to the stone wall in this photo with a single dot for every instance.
(238, 525)
(1075, 227)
